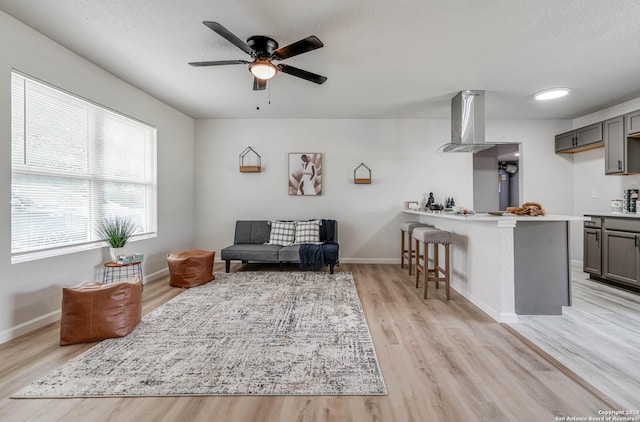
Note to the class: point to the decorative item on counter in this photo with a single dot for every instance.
(616, 205)
(528, 208)
(630, 200)
(250, 161)
(411, 205)
(430, 201)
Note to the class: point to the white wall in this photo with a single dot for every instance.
(201, 211)
(546, 176)
(30, 292)
(401, 154)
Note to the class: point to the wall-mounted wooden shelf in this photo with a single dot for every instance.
(362, 175)
(250, 169)
(250, 161)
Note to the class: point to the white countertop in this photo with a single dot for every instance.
(612, 214)
(504, 217)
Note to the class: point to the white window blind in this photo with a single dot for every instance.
(74, 163)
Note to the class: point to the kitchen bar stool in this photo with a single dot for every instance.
(408, 253)
(415, 236)
(424, 237)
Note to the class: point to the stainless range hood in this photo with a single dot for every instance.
(467, 123)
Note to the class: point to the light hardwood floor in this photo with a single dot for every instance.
(597, 338)
(441, 361)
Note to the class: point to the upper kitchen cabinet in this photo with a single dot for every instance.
(633, 123)
(614, 148)
(582, 139)
(621, 153)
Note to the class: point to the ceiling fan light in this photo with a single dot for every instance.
(551, 94)
(263, 69)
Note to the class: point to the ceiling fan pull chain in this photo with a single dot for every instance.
(269, 88)
(258, 100)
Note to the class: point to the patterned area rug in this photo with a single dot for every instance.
(257, 333)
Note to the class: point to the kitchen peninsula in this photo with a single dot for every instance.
(508, 265)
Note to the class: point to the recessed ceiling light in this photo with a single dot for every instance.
(551, 94)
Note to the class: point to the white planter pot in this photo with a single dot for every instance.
(115, 252)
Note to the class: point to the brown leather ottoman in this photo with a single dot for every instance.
(95, 311)
(190, 268)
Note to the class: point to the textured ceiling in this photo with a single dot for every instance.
(383, 59)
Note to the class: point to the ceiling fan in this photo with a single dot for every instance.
(264, 51)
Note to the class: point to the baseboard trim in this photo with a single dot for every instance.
(29, 326)
(43, 320)
(370, 261)
(351, 261)
(490, 311)
(158, 274)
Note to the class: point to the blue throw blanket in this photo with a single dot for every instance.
(314, 257)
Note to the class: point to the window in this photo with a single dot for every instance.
(74, 163)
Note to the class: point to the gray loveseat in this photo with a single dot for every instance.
(251, 236)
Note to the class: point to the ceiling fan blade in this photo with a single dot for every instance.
(311, 77)
(259, 84)
(308, 44)
(219, 63)
(227, 35)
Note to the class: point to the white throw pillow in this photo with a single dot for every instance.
(282, 233)
(307, 232)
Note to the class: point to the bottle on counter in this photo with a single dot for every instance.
(449, 203)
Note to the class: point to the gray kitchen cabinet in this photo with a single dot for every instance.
(621, 154)
(612, 250)
(565, 141)
(614, 145)
(621, 257)
(581, 139)
(592, 261)
(632, 123)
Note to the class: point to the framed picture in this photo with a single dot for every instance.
(305, 173)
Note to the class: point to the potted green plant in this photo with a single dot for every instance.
(116, 231)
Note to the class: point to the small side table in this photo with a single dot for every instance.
(113, 272)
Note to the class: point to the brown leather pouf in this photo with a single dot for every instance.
(95, 311)
(190, 268)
